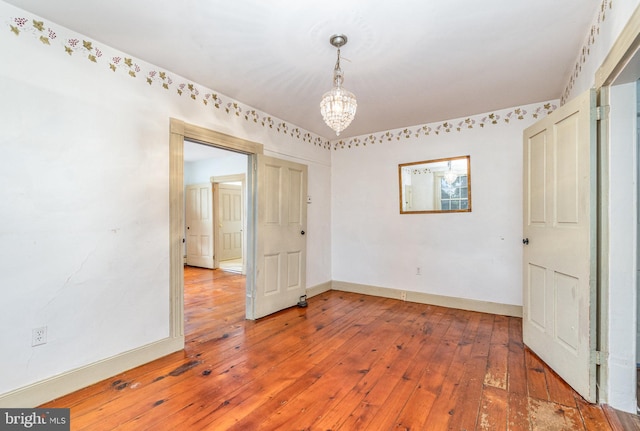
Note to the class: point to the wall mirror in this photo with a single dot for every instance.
(435, 186)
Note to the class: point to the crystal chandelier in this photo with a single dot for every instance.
(338, 106)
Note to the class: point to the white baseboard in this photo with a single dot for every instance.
(427, 298)
(318, 289)
(46, 390)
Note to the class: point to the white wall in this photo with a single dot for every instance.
(476, 255)
(84, 166)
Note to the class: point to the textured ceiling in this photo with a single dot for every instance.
(409, 62)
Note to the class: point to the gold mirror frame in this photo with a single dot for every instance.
(435, 186)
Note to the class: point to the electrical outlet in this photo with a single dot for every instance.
(418, 271)
(403, 295)
(39, 336)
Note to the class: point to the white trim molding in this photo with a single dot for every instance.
(318, 289)
(46, 390)
(428, 298)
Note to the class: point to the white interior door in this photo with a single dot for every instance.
(281, 241)
(199, 225)
(559, 226)
(231, 221)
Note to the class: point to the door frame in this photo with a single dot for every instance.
(178, 132)
(618, 61)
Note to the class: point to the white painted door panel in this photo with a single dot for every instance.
(231, 221)
(199, 225)
(559, 259)
(281, 241)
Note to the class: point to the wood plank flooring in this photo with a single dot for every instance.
(347, 362)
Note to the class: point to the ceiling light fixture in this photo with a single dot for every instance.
(338, 106)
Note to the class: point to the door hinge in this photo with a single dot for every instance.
(598, 113)
(599, 357)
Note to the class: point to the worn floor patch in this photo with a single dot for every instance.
(496, 380)
(550, 416)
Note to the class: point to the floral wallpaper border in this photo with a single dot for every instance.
(164, 80)
(450, 126)
(585, 51)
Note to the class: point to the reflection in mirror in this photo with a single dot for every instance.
(442, 185)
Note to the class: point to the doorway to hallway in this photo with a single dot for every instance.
(215, 198)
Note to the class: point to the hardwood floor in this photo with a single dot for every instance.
(347, 362)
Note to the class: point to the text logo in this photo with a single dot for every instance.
(35, 419)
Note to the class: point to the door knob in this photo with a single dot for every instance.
(302, 232)
(525, 241)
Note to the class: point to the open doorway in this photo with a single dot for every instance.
(180, 132)
(276, 197)
(214, 223)
(215, 203)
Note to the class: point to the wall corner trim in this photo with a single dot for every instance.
(318, 289)
(428, 298)
(46, 390)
